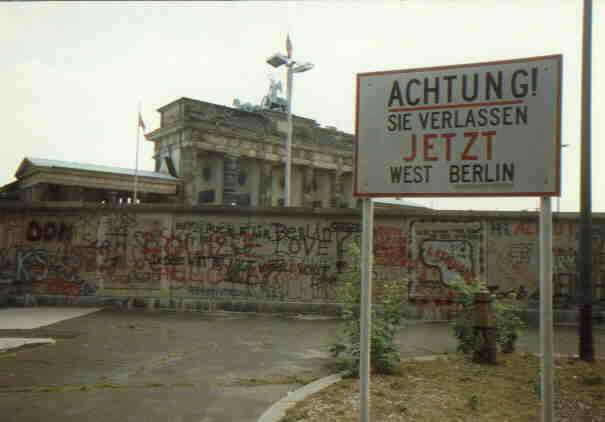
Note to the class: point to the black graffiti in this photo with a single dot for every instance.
(219, 292)
(49, 231)
(337, 227)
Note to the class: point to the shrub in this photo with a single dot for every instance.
(388, 299)
(508, 324)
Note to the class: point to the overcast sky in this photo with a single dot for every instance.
(74, 73)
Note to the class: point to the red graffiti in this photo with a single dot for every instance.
(390, 247)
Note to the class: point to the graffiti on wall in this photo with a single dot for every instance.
(114, 252)
(51, 272)
(444, 251)
(515, 254)
(390, 246)
(121, 252)
(268, 260)
(49, 231)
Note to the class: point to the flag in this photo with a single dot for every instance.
(141, 122)
(289, 46)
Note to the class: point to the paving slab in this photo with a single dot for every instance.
(29, 318)
(9, 343)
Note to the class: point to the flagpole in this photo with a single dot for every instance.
(136, 171)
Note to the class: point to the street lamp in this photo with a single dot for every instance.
(278, 60)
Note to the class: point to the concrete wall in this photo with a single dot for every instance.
(228, 254)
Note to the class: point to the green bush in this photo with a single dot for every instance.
(388, 299)
(507, 322)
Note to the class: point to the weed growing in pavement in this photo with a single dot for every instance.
(474, 402)
(388, 300)
(506, 313)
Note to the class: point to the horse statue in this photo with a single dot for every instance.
(272, 101)
(245, 106)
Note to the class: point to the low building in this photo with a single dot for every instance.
(53, 180)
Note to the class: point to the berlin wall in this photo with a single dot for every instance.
(222, 254)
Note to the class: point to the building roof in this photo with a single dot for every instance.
(42, 162)
(398, 202)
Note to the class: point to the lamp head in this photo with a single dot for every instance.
(303, 67)
(277, 60)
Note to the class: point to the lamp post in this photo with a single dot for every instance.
(585, 252)
(292, 66)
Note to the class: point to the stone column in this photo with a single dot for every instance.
(36, 192)
(277, 185)
(75, 193)
(113, 197)
(336, 189)
(309, 187)
(265, 191)
(188, 160)
(230, 176)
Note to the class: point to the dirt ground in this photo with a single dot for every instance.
(457, 390)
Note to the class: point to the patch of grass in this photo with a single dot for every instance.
(292, 418)
(402, 407)
(107, 385)
(474, 402)
(38, 361)
(277, 380)
(253, 382)
(155, 384)
(10, 354)
(22, 390)
(593, 379)
(86, 387)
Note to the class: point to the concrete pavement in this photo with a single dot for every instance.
(162, 366)
(186, 367)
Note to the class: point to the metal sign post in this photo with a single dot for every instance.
(367, 256)
(546, 319)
